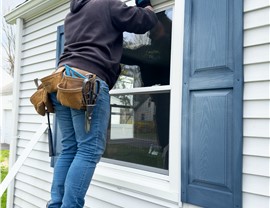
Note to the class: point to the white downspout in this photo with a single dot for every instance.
(15, 106)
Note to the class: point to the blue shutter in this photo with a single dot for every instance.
(212, 104)
(56, 131)
(60, 42)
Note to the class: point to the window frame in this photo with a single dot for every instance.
(155, 89)
(144, 181)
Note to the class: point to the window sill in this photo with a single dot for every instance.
(136, 181)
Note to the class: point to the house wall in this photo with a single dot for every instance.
(256, 152)
(32, 184)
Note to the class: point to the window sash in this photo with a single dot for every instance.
(141, 90)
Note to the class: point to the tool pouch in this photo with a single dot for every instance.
(50, 82)
(69, 92)
(41, 101)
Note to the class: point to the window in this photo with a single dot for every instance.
(132, 97)
(140, 101)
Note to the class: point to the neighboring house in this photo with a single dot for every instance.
(145, 110)
(219, 139)
(6, 113)
(122, 130)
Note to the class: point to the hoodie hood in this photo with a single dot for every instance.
(76, 5)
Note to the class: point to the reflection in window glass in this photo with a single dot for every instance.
(146, 58)
(139, 129)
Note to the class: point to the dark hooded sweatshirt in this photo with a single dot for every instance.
(94, 35)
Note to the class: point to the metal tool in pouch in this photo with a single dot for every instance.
(90, 90)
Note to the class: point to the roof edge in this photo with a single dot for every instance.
(34, 8)
(31, 9)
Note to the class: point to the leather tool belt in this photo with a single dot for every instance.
(68, 83)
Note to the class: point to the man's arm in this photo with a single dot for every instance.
(132, 19)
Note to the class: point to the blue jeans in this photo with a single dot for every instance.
(81, 151)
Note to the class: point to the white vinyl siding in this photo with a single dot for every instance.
(256, 151)
(32, 184)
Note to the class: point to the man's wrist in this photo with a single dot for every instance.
(150, 8)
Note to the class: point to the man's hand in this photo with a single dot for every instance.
(143, 3)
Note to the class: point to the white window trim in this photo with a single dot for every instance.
(141, 90)
(160, 186)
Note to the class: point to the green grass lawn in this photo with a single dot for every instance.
(4, 171)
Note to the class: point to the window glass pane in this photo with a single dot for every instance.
(139, 129)
(146, 58)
